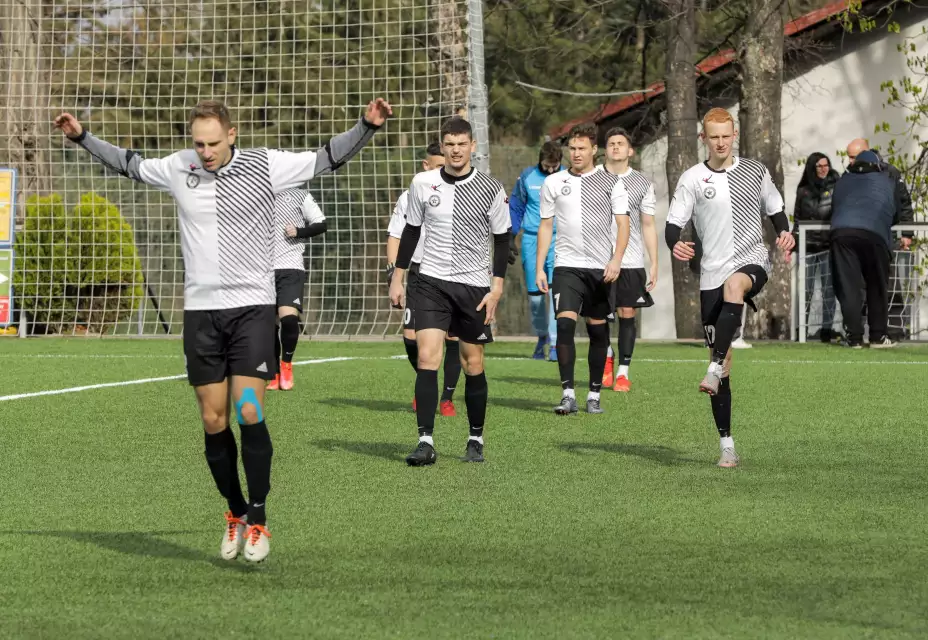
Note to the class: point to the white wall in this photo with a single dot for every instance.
(823, 110)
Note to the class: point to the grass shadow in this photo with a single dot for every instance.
(145, 544)
(551, 380)
(521, 404)
(387, 450)
(659, 454)
(369, 404)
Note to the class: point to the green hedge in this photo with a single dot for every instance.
(79, 269)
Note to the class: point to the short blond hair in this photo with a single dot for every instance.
(718, 116)
(214, 109)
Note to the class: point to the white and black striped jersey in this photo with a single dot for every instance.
(641, 202)
(398, 223)
(226, 218)
(584, 207)
(296, 207)
(457, 216)
(726, 207)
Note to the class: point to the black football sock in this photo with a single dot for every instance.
(426, 400)
(277, 350)
(222, 458)
(726, 326)
(566, 351)
(289, 336)
(257, 452)
(599, 347)
(452, 369)
(721, 408)
(475, 397)
(627, 332)
(412, 352)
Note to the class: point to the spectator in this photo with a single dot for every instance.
(902, 196)
(813, 203)
(865, 206)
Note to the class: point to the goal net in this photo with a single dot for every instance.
(96, 253)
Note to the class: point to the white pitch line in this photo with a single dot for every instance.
(127, 383)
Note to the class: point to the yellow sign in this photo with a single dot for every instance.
(7, 196)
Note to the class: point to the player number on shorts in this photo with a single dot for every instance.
(557, 301)
(407, 315)
(710, 333)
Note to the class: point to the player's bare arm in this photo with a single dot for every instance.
(614, 267)
(545, 233)
(649, 233)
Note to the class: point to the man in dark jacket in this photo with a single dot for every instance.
(901, 191)
(864, 208)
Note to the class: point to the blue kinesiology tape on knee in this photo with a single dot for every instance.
(248, 397)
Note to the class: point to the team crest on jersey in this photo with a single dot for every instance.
(709, 193)
(192, 181)
(434, 201)
(565, 190)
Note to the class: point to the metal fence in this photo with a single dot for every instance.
(815, 306)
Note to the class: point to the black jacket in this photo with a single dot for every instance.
(814, 203)
(866, 199)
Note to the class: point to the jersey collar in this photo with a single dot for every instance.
(595, 168)
(734, 163)
(224, 168)
(450, 179)
(617, 175)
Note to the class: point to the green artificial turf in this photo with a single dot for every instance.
(607, 526)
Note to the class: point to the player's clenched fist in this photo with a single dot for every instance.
(396, 292)
(684, 251)
(69, 125)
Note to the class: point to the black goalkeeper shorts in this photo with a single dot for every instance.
(230, 342)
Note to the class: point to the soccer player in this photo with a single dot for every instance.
(725, 196)
(291, 208)
(586, 201)
(452, 369)
(524, 207)
(634, 285)
(460, 209)
(225, 201)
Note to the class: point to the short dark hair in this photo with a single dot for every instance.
(619, 131)
(211, 109)
(456, 126)
(434, 149)
(550, 152)
(585, 130)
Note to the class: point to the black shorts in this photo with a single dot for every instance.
(583, 291)
(451, 307)
(711, 300)
(631, 289)
(230, 342)
(412, 276)
(290, 283)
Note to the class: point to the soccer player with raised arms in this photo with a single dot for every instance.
(225, 200)
(634, 284)
(464, 213)
(298, 219)
(587, 202)
(725, 197)
(452, 368)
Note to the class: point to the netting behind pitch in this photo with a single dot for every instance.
(98, 253)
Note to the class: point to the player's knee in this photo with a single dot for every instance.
(566, 328)
(429, 356)
(472, 361)
(626, 312)
(248, 408)
(598, 333)
(213, 421)
(735, 289)
(409, 334)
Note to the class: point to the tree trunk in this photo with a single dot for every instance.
(682, 148)
(22, 95)
(761, 68)
(450, 56)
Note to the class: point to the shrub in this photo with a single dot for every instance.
(77, 269)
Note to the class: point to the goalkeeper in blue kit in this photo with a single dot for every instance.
(524, 212)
